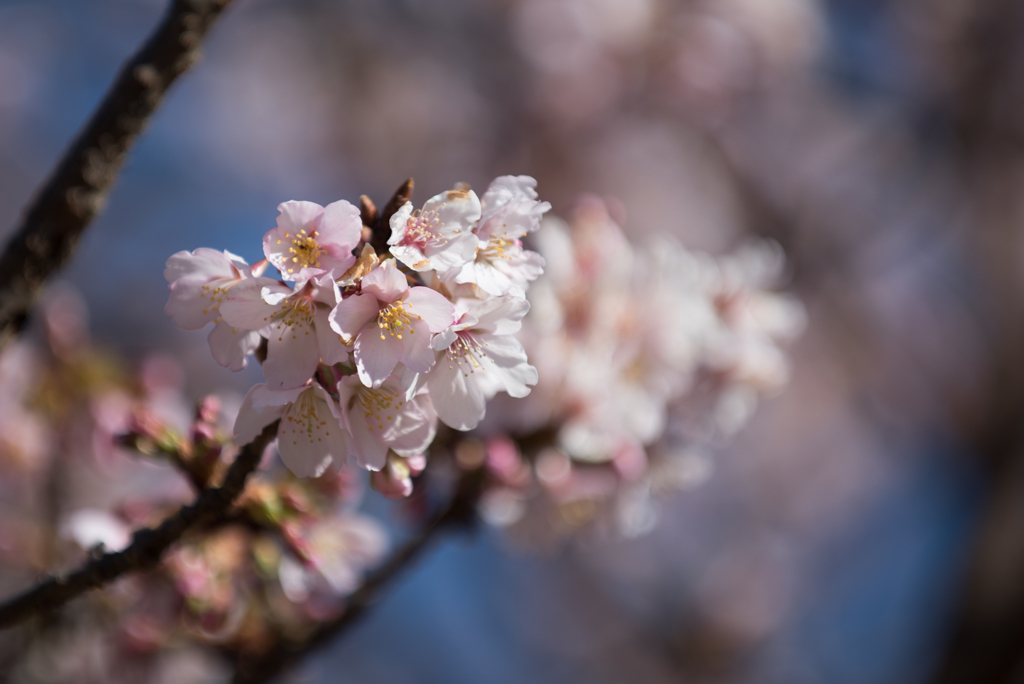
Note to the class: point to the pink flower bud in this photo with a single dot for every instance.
(392, 482)
(208, 409)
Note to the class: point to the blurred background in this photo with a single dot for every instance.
(867, 526)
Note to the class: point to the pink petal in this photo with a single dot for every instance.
(455, 253)
(332, 349)
(354, 313)
(245, 306)
(412, 257)
(431, 306)
(458, 211)
(297, 215)
(385, 282)
(230, 346)
(263, 396)
(325, 291)
(376, 357)
(292, 355)
(249, 422)
(417, 354)
(485, 276)
(501, 316)
(399, 222)
(203, 263)
(414, 427)
(189, 306)
(456, 397)
(311, 436)
(504, 350)
(341, 226)
(370, 452)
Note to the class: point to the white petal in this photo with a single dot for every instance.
(501, 316)
(417, 354)
(263, 396)
(455, 395)
(431, 306)
(412, 257)
(399, 221)
(332, 349)
(245, 306)
(203, 263)
(376, 357)
(483, 274)
(385, 282)
(251, 422)
(454, 254)
(292, 355)
(353, 313)
(443, 339)
(457, 210)
(297, 215)
(189, 306)
(370, 452)
(414, 428)
(310, 435)
(230, 346)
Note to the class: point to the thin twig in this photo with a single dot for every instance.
(460, 511)
(77, 188)
(147, 546)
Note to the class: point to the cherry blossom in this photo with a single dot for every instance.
(440, 236)
(200, 282)
(394, 480)
(391, 322)
(89, 527)
(310, 240)
(478, 357)
(509, 211)
(311, 435)
(340, 549)
(385, 417)
(295, 323)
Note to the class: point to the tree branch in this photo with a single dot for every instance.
(77, 188)
(147, 546)
(460, 511)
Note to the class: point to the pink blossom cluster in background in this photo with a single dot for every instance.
(649, 357)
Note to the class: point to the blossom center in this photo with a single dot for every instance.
(423, 228)
(495, 248)
(295, 312)
(394, 319)
(379, 406)
(305, 251)
(305, 419)
(466, 352)
(217, 291)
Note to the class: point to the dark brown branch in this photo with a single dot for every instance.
(382, 228)
(460, 511)
(77, 188)
(147, 546)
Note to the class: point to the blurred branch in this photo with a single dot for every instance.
(460, 512)
(147, 546)
(987, 639)
(77, 188)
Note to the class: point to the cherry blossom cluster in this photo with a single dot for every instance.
(364, 352)
(649, 358)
